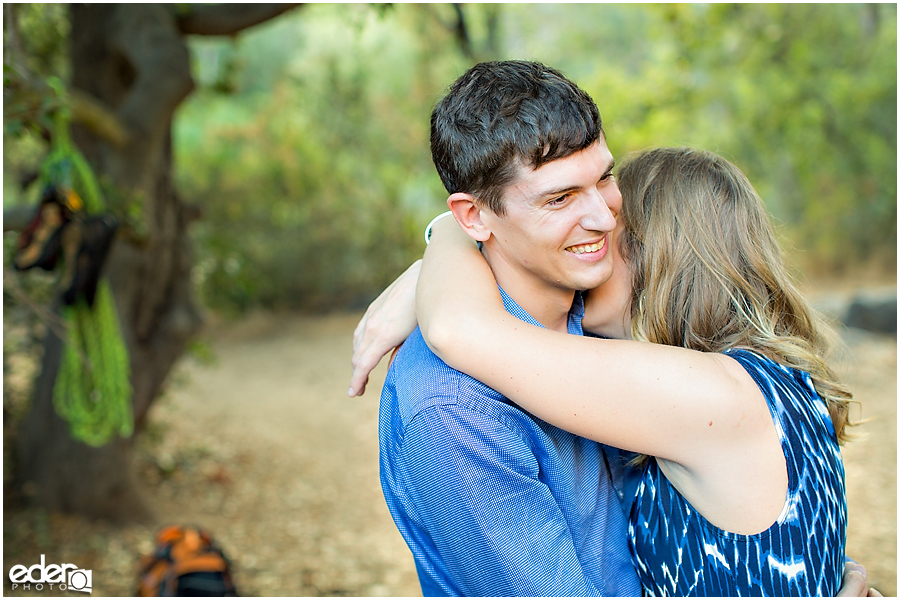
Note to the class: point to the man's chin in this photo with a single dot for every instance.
(589, 281)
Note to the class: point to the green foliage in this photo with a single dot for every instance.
(314, 171)
(34, 41)
(316, 178)
(801, 97)
(44, 31)
(306, 142)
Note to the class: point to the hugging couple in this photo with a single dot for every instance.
(607, 383)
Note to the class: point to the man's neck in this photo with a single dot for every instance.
(547, 304)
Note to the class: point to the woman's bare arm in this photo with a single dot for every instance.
(670, 402)
(455, 279)
(387, 323)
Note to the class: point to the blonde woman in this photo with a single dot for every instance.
(732, 406)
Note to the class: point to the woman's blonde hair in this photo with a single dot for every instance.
(708, 272)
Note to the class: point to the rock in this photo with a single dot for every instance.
(873, 311)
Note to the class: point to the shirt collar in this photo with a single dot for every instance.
(576, 312)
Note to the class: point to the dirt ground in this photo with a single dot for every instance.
(263, 448)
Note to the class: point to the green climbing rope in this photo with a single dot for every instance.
(92, 390)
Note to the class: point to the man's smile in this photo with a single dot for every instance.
(587, 248)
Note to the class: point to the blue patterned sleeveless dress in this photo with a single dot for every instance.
(679, 553)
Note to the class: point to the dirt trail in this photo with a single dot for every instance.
(265, 449)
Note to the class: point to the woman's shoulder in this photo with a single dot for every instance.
(788, 391)
(750, 356)
(766, 369)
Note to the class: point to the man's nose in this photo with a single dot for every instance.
(598, 216)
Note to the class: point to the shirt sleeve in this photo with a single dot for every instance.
(475, 492)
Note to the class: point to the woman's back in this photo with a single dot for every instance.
(680, 553)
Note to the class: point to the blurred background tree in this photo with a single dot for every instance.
(304, 145)
(127, 70)
(307, 142)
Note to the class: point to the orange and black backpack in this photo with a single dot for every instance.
(186, 562)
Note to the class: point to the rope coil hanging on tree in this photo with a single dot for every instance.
(92, 389)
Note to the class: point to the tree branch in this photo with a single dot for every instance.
(85, 109)
(227, 19)
(457, 28)
(461, 31)
(11, 20)
(97, 117)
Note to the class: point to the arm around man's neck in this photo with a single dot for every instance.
(456, 288)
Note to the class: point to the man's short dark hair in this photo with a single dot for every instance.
(500, 115)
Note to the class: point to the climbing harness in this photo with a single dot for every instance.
(92, 391)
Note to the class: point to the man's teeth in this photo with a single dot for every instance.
(586, 247)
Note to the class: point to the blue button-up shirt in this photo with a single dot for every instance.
(491, 500)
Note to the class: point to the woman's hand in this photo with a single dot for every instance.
(387, 323)
(607, 308)
(855, 583)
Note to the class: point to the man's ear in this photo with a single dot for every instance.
(468, 215)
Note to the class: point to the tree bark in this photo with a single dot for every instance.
(227, 19)
(133, 59)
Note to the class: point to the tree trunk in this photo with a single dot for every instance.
(133, 58)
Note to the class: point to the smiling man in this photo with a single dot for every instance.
(549, 236)
(492, 501)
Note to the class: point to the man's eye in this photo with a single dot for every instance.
(557, 201)
(608, 176)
